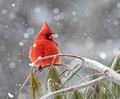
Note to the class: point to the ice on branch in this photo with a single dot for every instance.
(31, 64)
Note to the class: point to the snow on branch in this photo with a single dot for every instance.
(73, 73)
(111, 75)
(83, 85)
(115, 60)
(107, 73)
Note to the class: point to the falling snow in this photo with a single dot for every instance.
(31, 64)
(39, 57)
(81, 28)
(61, 16)
(89, 43)
(56, 10)
(37, 9)
(10, 95)
(66, 74)
(21, 43)
(4, 11)
(85, 34)
(108, 41)
(26, 35)
(12, 65)
(118, 5)
(30, 30)
(57, 17)
(74, 13)
(13, 5)
(116, 22)
(12, 15)
(34, 45)
(56, 35)
(103, 55)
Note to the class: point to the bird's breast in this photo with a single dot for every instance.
(42, 48)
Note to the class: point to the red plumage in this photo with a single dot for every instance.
(44, 45)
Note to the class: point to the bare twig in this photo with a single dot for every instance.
(31, 69)
(91, 88)
(81, 77)
(84, 79)
(49, 66)
(25, 82)
(53, 59)
(115, 60)
(49, 85)
(65, 90)
(65, 71)
(117, 71)
(92, 75)
(32, 64)
(73, 73)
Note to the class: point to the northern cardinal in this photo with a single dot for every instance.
(44, 45)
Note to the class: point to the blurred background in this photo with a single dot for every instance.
(81, 27)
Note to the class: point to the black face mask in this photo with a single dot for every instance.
(47, 36)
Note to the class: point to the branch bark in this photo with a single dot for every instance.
(69, 55)
(108, 74)
(111, 74)
(115, 60)
(73, 73)
(83, 85)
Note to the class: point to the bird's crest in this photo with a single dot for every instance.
(45, 29)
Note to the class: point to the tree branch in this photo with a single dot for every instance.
(83, 85)
(111, 75)
(69, 55)
(25, 82)
(97, 74)
(115, 60)
(73, 73)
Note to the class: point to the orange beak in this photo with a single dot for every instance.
(51, 36)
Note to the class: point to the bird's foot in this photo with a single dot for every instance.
(40, 69)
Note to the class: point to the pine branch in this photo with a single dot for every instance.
(108, 75)
(115, 60)
(65, 90)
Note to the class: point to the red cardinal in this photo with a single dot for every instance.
(44, 45)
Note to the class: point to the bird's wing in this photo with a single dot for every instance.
(56, 43)
(36, 51)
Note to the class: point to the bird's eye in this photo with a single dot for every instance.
(47, 36)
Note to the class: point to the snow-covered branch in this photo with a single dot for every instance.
(107, 73)
(57, 55)
(83, 85)
(115, 60)
(111, 75)
(73, 73)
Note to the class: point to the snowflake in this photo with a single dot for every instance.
(34, 45)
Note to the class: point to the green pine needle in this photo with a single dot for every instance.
(36, 90)
(76, 94)
(55, 81)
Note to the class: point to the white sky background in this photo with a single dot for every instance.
(81, 27)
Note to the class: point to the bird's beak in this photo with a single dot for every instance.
(51, 37)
